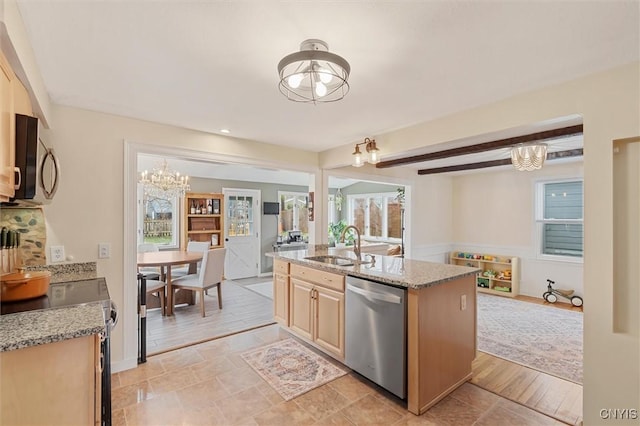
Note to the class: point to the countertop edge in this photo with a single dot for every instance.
(25, 329)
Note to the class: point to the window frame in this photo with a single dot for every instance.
(385, 215)
(540, 221)
(176, 214)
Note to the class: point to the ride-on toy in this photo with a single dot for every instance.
(551, 295)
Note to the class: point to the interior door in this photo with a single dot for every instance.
(242, 233)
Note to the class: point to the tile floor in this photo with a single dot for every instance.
(210, 384)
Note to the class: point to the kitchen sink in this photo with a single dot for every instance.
(335, 260)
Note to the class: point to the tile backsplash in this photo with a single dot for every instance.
(30, 223)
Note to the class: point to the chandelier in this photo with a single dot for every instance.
(528, 157)
(372, 150)
(314, 74)
(164, 182)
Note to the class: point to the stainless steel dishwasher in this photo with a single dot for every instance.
(376, 330)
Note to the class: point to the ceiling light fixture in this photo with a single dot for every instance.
(225, 131)
(372, 150)
(164, 182)
(314, 74)
(528, 157)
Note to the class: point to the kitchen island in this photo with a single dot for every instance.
(440, 313)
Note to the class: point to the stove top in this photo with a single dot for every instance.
(63, 294)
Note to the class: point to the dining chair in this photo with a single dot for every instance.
(192, 247)
(158, 288)
(210, 275)
(151, 272)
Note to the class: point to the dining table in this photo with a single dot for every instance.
(166, 259)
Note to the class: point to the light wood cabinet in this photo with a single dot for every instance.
(7, 131)
(53, 384)
(316, 308)
(281, 298)
(500, 274)
(203, 219)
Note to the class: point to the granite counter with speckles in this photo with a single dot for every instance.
(392, 270)
(24, 329)
(68, 271)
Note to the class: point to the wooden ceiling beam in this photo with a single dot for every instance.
(484, 164)
(482, 147)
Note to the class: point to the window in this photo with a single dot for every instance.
(294, 215)
(160, 221)
(378, 216)
(559, 219)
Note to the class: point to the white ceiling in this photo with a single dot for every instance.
(208, 65)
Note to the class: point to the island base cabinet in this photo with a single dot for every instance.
(52, 384)
(281, 298)
(317, 314)
(441, 341)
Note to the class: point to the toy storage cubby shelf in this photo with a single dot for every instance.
(494, 277)
(203, 218)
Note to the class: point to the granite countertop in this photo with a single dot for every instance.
(31, 328)
(392, 270)
(37, 327)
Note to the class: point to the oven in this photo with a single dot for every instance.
(80, 292)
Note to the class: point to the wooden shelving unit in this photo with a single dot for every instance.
(203, 218)
(494, 277)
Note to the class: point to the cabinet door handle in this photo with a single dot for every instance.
(17, 171)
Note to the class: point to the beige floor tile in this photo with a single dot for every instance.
(532, 416)
(148, 370)
(369, 410)
(117, 418)
(285, 413)
(475, 396)
(321, 402)
(454, 412)
(243, 404)
(351, 387)
(337, 419)
(172, 380)
(214, 349)
(239, 379)
(129, 395)
(163, 410)
(179, 359)
(201, 395)
(424, 420)
(211, 368)
(270, 393)
(203, 416)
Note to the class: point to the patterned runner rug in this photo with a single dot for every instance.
(290, 368)
(541, 337)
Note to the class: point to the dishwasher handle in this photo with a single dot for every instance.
(375, 296)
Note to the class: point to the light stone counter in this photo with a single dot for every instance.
(391, 270)
(24, 329)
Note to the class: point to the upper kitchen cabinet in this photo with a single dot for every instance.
(14, 99)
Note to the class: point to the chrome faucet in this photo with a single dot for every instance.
(356, 249)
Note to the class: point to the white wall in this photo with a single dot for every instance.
(494, 213)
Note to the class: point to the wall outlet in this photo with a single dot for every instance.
(104, 251)
(57, 254)
(463, 302)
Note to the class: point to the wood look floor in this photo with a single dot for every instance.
(242, 309)
(208, 383)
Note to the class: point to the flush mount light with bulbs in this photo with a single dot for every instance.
(314, 74)
(372, 151)
(528, 157)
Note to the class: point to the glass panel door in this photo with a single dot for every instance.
(240, 216)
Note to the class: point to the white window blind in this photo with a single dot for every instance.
(560, 218)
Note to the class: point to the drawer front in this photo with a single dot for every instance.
(281, 267)
(323, 278)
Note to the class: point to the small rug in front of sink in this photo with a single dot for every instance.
(290, 368)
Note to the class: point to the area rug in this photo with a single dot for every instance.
(290, 368)
(265, 289)
(541, 337)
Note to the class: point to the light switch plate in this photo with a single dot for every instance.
(57, 254)
(463, 302)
